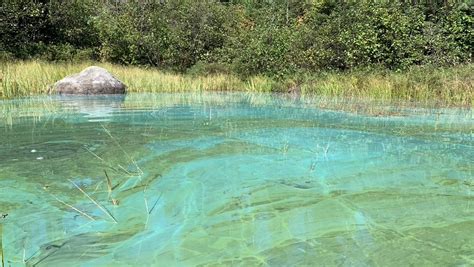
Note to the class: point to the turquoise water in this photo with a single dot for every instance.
(234, 179)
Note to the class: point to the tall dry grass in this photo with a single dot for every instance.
(450, 86)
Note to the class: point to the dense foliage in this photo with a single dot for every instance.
(270, 37)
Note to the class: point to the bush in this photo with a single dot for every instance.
(207, 69)
(67, 52)
(175, 34)
(277, 38)
(28, 28)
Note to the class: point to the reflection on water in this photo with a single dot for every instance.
(234, 179)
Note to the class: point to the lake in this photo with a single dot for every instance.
(222, 179)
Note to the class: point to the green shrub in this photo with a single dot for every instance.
(208, 69)
(277, 38)
(46, 28)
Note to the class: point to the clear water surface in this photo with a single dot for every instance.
(208, 179)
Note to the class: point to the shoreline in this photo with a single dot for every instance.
(450, 86)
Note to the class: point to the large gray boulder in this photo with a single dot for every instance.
(91, 81)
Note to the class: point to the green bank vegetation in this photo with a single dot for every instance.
(413, 50)
(449, 85)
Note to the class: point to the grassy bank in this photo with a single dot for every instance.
(448, 86)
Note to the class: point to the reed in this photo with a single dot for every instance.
(450, 85)
(132, 161)
(102, 208)
(146, 208)
(1, 246)
(110, 188)
(72, 207)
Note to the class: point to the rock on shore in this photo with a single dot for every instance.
(91, 81)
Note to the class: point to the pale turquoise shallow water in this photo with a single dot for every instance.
(234, 179)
